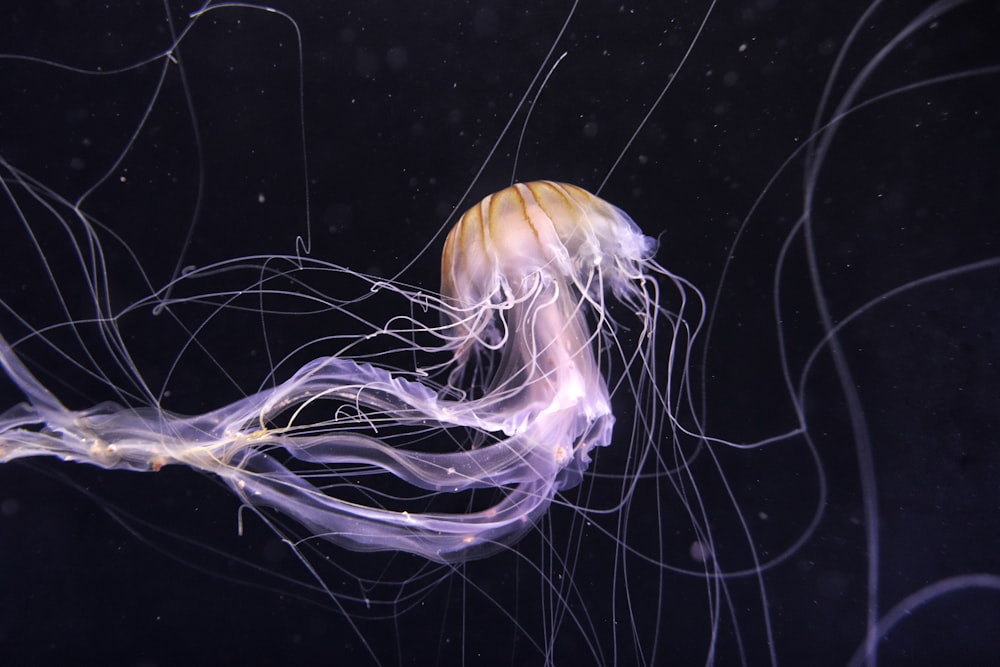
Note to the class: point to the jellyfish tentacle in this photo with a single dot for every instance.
(523, 280)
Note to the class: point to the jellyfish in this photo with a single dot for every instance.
(523, 277)
(237, 212)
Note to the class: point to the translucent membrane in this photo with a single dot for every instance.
(523, 279)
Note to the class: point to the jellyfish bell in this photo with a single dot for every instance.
(559, 228)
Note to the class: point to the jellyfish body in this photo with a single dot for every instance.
(523, 278)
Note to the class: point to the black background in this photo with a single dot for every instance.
(401, 104)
